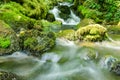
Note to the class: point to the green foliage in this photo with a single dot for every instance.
(4, 42)
(89, 13)
(13, 14)
(100, 10)
(29, 42)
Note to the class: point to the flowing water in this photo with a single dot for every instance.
(67, 60)
(71, 21)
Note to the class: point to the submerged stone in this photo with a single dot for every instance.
(116, 68)
(9, 76)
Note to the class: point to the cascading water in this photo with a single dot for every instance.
(65, 62)
(71, 20)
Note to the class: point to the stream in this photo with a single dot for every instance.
(67, 60)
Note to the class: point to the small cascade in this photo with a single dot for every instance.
(63, 13)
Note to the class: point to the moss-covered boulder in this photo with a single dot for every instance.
(9, 76)
(93, 32)
(36, 42)
(11, 13)
(8, 39)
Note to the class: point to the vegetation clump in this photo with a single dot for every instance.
(37, 42)
(4, 42)
(93, 32)
(102, 11)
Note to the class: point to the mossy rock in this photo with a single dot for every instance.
(67, 34)
(8, 39)
(36, 42)
(93, 32)
(50, 17)
(11, 14)
(9, 76)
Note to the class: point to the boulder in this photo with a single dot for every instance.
(9, 76)
(8, 39)
(36, 42)
(64, 11)
(92, 32)
(116, 68)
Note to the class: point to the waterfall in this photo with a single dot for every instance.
(71, 20)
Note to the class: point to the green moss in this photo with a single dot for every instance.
(93, 32)
(29, 42)
(2, 23)
(68, 34)
(4, 42)
(16, 20)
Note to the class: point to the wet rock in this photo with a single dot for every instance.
(9, 76)
(107, 61)
(93, 32)
(116, 68)
(67, 34)
(8, 39)
(36, 42)
(50, 17)
(64, 11)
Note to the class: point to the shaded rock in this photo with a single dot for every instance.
(64, 11)
(93, 32)
(116, 68)
(107, 61)
(9, 76)
(8, 39)
(50, 17)
(36, 42)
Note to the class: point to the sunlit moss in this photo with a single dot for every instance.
(4, 42)
(93, 32)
